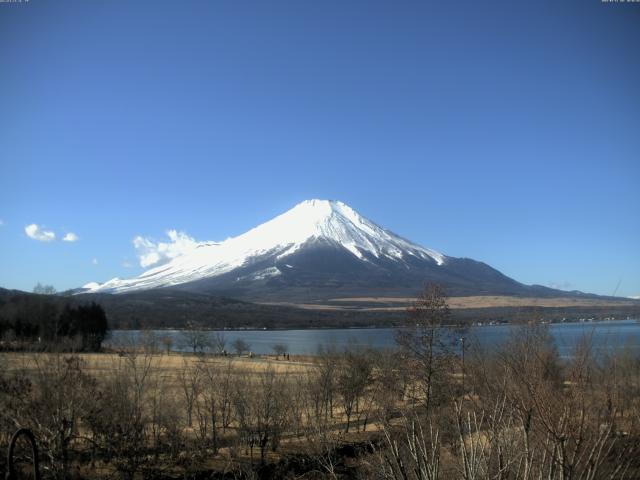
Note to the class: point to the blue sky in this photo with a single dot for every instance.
(508, 132)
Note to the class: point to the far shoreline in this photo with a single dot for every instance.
(377, 327)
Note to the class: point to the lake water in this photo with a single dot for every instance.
(605, 336)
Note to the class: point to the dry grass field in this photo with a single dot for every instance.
(140, 415)
(500, 301)
(170, 378)
(390, 304)
(168, 366)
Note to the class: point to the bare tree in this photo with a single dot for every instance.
(149, 341)
(120, 417)
(190, 380)
(428, 343)
(194, 338)
(262, 410)
(392, 379)
(214, 408)
(323, 443)
(411, 452)
(164, 430)
(353, 378)
(280, 349)
(324, 383)
(219, 343)
(240, 346)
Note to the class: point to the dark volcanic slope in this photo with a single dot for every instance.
(322, 271)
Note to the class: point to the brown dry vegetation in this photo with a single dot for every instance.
(422, 412)
(166, 365)
(486, 301)
(148, 413)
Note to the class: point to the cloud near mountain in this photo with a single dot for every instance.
(154, 253)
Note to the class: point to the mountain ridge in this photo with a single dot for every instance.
(318, 250)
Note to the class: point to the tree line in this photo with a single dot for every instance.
(45, 321)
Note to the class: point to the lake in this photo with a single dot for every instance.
(606, 336)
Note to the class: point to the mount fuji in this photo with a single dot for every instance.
(316, 251)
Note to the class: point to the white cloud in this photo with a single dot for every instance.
(635, 297)
(1, 222)
(560, 285)
(70, 237)
(94, 261)
(150, 252)
(37, 232)
(126, 264)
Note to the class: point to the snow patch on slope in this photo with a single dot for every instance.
(262, 274)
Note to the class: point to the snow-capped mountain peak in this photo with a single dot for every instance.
(308, 223)
(336, 221)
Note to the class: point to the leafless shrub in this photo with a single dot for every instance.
(214, 405)
(353, 376)
(262, 410)
(280, 349)
(240, 346)
(219, 343)
(51, 403)
(195, 338)
(412, 452)
(391, 380)
(190, 381)
(120, 419)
